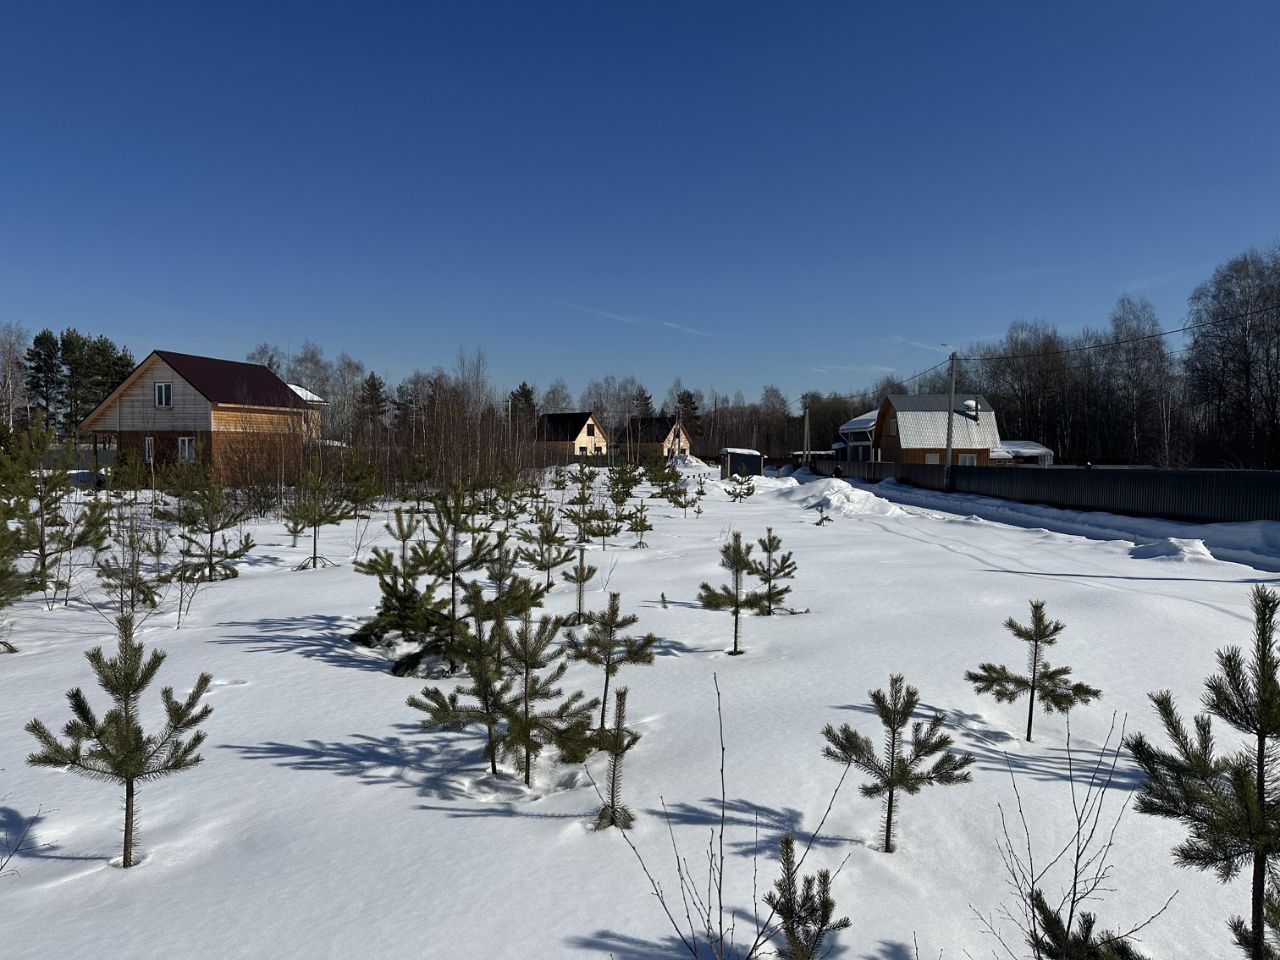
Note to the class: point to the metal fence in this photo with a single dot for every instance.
(1197, 496)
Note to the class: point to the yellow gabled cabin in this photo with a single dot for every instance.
(241, 419)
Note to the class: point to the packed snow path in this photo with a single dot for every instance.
(324, 824)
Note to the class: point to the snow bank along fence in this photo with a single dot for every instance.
(1197, 496)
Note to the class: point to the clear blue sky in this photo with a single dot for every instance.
(736, 193)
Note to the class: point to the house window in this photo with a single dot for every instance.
(933, 458)
(186, 449)
(164, 394)
(583, 451)
(149, 450)
(591, 429)
(968, 460)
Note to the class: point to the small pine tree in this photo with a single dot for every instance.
(1052, 939)
(123, 569)
(531, 727)
(316, 504)
(116, 748)
(771, 570)
(616, 742)
(638, 523)
(735, 556)
(740, 488)
(455, 556)
(579, 575)
(605, 645)
(1226, 800)
(13, 581)
(546, 548)
(203, 514)
(1051, 685)
(899, 770)
(601, 523)
(804, 907)
(481, 649)
(823, 517)
(683, 499)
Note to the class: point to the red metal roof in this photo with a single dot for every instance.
(232, 381)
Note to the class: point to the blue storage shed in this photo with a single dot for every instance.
(735, 461)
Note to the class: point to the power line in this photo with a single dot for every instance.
(1120, 343)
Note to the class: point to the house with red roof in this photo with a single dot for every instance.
(239, 418)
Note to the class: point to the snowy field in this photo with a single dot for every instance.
(324, 824)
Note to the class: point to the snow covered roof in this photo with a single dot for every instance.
(741, 450)
(1024, 448)
(306, 394)
(922, 422)
(863, 421)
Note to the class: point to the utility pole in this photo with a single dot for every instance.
(806, 430)
(951, 417)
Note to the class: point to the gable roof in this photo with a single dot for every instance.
(564, 426)
(232, 381)
(922, 422)
(650, 429)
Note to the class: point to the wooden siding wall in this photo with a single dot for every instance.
(599, 440)
(240, 419)
(135, 408)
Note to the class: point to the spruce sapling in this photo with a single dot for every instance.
(116, 748)
(804, 907)
(771, 570)
(566, 722)
(605, 645)
(1226, 800)
(616, 742)
(900, 770)
(579, 575)
(735, 556)
(1051, 685)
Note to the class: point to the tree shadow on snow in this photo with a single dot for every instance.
(667, 647)
(316, 637)
(743, 816)
(620, 946)
(893, 950)
(998, 750)
(13, 826)
(432, 769)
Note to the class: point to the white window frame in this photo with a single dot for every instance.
(148, 449)
(165, 389)
(967, 460)
(186, 449)
(933, 458)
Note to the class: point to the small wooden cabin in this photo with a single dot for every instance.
(239, 418)
(563, 436)
(736, 461)
(656, 438)
(913, 429)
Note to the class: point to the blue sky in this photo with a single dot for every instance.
(735, 194)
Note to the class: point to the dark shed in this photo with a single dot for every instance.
(734, 461)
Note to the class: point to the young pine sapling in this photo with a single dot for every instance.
(771, 570)
(606, 645)
(616, 741)
(735, 556)
(902, 768)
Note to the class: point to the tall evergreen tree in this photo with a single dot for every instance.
(616, 742)
(805, 908)
(13, 581)
(538, 715)
(115, 748)
(771, 570)
(902, 767)
(1228, 801)
(524, 403)
(606, 645)
(45, 381)
(1051, 685)
(579, 575)
(735, 556)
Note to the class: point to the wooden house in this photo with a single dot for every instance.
(240, 419)
(656, 438)
(913, 429)
(563, 436)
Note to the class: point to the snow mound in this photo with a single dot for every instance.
(837, 497)
(1171, 548)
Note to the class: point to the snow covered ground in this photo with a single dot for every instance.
(325, 824)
